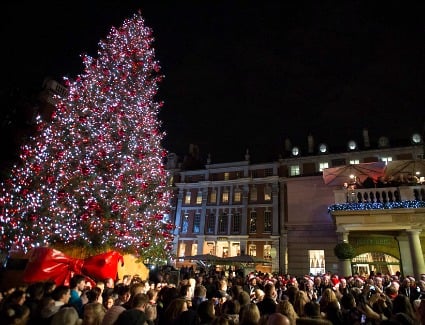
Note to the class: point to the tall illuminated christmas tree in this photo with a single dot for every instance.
(94, 176)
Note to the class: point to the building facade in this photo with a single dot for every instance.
(284, 212)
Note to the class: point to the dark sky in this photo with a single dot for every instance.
(246, 74)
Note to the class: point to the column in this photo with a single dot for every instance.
(344, 265)
(405, 256)
(416, 253)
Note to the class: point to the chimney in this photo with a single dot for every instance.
(366, 141)
(310, 142)
(288, 145)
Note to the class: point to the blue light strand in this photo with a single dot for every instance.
(376, 206)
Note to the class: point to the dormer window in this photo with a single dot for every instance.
(295, 151)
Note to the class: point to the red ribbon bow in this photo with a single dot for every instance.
(50, 264)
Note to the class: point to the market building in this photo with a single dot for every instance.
(288, 214)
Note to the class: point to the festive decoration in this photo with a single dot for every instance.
(377, 206)
(344, 251)
(50, 264)
(94, 176)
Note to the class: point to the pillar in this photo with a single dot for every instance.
(416, 253)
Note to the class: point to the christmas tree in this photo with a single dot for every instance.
(94, 175)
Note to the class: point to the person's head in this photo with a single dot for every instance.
(206, 311)
(278, 319)
(244, 298)
(61, 293)
(66, 315)
(94, 312)
(123, 292)
(286, 308)
(77, 282)
(109, 283)
(270, 290)
(231, 307)
(249, 314)
(108, 302)
(312, 309)
(175, 308)
(200, 291)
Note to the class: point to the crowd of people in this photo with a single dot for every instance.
(216, 299)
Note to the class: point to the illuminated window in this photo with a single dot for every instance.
(197, 223)
(182, 249)
(185, 224)
(226, 176)
(267, 251)
(294, 170)
(236, 222)
(267, 193)
(253, 194)
(252, 249)
(253, 222)
(211, 223)
(317, 261)
(354, 161)
(387, 159)
(199, 198)
(323, 165)
(222, 223)
(267, 221)
(238, 195)
(225, 196)
(213, 196)
(187, 197)
(194, 249)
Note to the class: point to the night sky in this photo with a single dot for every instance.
(246, 74)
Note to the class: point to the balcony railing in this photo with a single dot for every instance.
(380, 195)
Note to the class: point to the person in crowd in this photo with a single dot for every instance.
(141, 311)
(109, 288)
(334, 313)
(77, 285)
(278, 319)
(199, 295)
(268, 304)
(286, 308)
(93, 314)
(59, 298)
(15, 314)
(249, 315)
(66, 315)
(300, 301)
(108, 302)
(173, 311)
(251, 286)
(35, 294)
(402, 305)
(327, 297)
(134, 289)
(231, 309)
(206, 312)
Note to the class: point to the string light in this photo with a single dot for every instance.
(94, 176)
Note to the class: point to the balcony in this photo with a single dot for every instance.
(412, 196)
